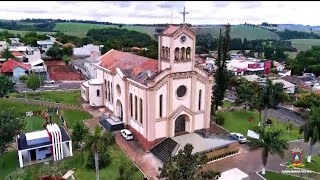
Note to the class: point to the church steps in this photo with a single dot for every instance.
(163, 151)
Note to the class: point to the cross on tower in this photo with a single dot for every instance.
(184, 14)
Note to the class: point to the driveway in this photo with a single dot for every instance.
(250, 161)
(146, 162)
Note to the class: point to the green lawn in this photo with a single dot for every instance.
(314, 165)
(81, 29)
(35, 122)
(65, 97)
(227, 104)
(76, 162)
(304, 44)
(25, 32)
(277, 176)
(237, 121)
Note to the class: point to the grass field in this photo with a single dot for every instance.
(24, 32)
(240, 31)
(314, 165)
(237, 121)
(304, 44)
(9, 164)
(65, 97)
(227, 104)
(35, 122)
(81, 29)
(277, 176)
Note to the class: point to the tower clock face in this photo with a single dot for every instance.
(183, 39)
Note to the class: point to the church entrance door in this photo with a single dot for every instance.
(180, 125)
(119, 110)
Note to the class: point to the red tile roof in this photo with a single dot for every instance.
(16, 53)
(138, 66)
(9, 65)
(171, 29)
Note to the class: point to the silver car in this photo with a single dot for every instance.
(239, 137)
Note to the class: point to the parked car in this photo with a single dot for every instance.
(49, 81)
(239, 137)
(126, 134)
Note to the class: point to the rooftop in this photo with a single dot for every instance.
(294, 80)
(286, 84)
(136, 67)
(9, 65)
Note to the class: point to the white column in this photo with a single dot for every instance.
(53, 146)
(60, 143)
(70, 148)
(20, 159)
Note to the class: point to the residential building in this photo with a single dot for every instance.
(86, 50)
(14, 69)
(284, 72)
(15, 42)
(155, 99)
(287, 86)
(53, 143)
(3, 45)
(45, 45)
(249, 66)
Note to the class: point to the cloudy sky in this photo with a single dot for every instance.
(218, 12)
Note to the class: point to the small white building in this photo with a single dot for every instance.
(3, 45)
(54, 143)
(15, 42)
(285, 72)
(46, 44)
(287, 86)
(86, 50)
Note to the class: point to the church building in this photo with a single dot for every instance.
(155, 99)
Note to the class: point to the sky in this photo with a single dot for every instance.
(144, 12)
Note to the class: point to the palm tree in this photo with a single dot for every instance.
(311, 130)
(272, 95)
(96, 143)
(270, 141)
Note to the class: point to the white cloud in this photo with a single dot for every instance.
(160, 11)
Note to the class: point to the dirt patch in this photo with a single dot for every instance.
(58, 71)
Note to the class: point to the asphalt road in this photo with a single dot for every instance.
(65, 85)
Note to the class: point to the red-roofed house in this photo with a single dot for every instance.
(155, 99)
(14, 68)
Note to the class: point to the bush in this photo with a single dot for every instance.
(104, 160)
(23, 78)
(110, 137)
(219, 119)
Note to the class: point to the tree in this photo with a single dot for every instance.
(272, 95)
(221, 76)
(55, 51)
(23, 78)
(6, 86)
(96, 143)
(6, 54)
(79, 131)
(66, 59)
(308, 100)
(311, 129)
(270, 142)
(187, 166)
(245, 91)
(268, 53)
(126, 174)
(33, 82)
(10, 125)
(67, 51)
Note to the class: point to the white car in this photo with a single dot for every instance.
(239, 137)
(49, 82)
(126, 134)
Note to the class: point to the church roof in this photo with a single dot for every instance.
(171, 29)
(135, 67)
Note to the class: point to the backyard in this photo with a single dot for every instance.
(9, 165)
(237, 121)
(66, 97)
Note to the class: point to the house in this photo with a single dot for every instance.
(87, 65)
(309, 78)
(15, 42)
(278, 66)
(287, 86)
(249, 66)
(155, 99)
(46, 44)
(86, 50)
(3, 45)
(15, 69)
(284, 72)
(53, 143)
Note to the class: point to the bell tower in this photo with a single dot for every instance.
(176, 47)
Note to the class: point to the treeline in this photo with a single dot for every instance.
(269, 25)
(17, 25)
(123, 39)
(288, 34)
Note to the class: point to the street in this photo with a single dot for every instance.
(63, 85)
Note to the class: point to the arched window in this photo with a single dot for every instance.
(188, 53)
(98, 93)
(183, 54)
(105, 83)
(160, 106)
(163, 52)
(141, 114)
(136, 108)
(111, 90)
(131, 105)
(167, 53)
(108, 91)
(199, 105)
(176, 54)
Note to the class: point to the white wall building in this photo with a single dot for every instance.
(287, 86)
(54, 143)
(45, 45)
(154, 98)
(3, 45)
(86, 50)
